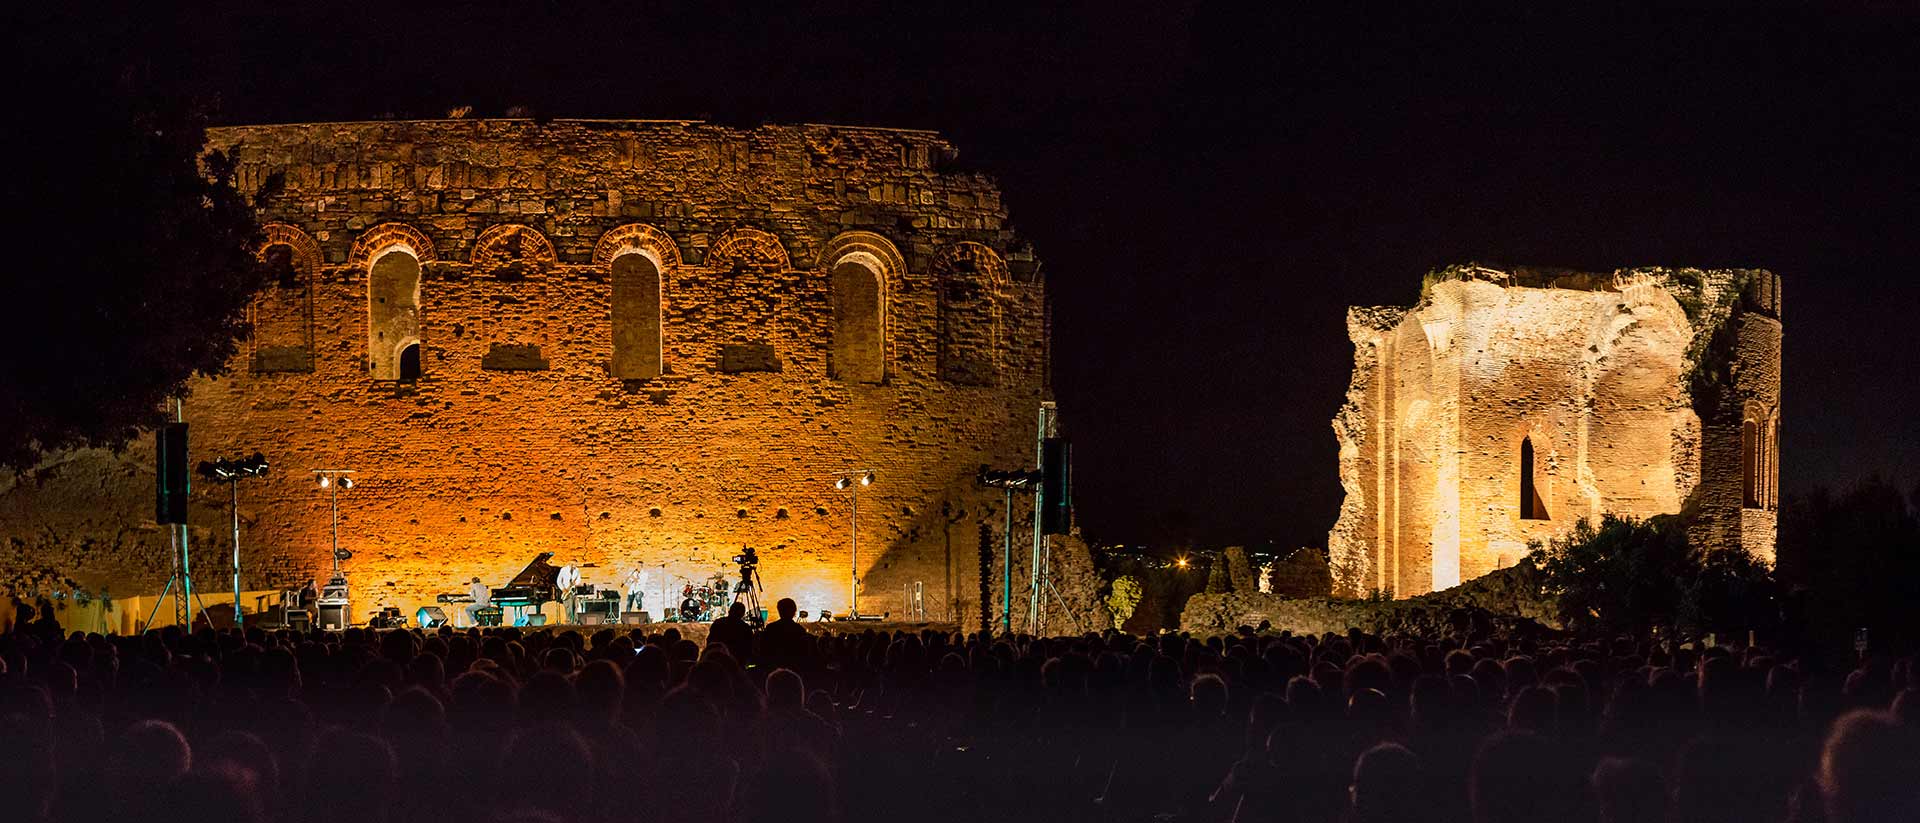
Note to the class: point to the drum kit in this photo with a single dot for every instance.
(707, 600)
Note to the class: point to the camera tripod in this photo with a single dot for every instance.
(747, 591)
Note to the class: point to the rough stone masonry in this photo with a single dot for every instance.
(630, 343)
(1509, 404)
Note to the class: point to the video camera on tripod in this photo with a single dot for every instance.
(748, 589)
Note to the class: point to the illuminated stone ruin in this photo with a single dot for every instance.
(1507, 405)
(637, 343)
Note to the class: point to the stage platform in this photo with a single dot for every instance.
(697, 632)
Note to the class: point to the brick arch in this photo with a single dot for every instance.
(748, 246)
(867, 247)
(657, 245)
(496, 247)
(378, 239)
(1757, 445)
(282, 313)
(861, 268)
(970, 278)
(980, 260)
(306, 252)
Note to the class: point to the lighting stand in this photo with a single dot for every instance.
(335, 593)
(232, 472)
(1042, 547)
(1023, 480)
(851, 480)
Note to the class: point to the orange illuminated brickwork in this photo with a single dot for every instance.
(1508, 405)
(633, 344)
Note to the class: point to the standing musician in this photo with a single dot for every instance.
(636, 588)
(482, 597)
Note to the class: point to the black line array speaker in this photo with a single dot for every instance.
(171, 479)
(1056, 486)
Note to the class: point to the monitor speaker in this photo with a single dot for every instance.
(299, 620)
(635, 618)
(430, 617)
(593, 619)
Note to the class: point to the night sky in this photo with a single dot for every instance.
(1210, 186)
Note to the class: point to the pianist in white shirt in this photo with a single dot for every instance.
(481, 595)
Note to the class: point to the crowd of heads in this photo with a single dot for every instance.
(783, 723)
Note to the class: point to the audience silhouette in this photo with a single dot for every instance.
(798, 726)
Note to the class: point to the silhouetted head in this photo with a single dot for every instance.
(1209, 695)
(1384, 782)
(738, 609)
(785, 690)
(1629, 791)
(1521, 777)
(787, 608)
(1870, 769)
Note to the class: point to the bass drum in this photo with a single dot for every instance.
(690, 608)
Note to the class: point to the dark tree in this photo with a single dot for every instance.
(132, 259)
(1631, 576)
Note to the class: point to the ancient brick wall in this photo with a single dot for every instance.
(628, 343)
(1508, 405)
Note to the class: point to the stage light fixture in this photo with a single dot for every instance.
(325, 481)
(866, 479)
(842, 484)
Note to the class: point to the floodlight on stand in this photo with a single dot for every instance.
(231, 471)
(846, 483)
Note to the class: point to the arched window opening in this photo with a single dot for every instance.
(410, 363)
(393, 312)
(1750, 464)
(1773, 461)
(278, 259)
(637, 338)
(858, 329)
(282, 314)
(1532, 506)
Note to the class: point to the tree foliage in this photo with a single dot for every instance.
(1122, 598)
(133, 257)
(1631, 576)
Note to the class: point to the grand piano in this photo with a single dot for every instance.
(533, 587)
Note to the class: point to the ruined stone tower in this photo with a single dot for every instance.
(1509, 404)
(635, 344)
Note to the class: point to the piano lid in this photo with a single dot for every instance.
(539, 573)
